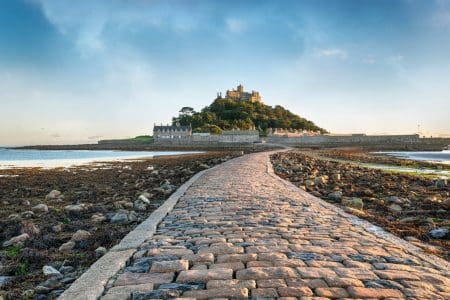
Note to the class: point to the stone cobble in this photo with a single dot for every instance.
(239, 232)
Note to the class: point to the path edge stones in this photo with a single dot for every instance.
(436, 261)
(91, 284)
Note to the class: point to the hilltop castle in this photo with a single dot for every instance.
(240, 95)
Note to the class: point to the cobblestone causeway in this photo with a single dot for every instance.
(240, 232)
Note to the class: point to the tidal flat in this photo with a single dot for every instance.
(57, 222)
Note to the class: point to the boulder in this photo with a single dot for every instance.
(5, 280)
(67, 246)
(27, 214)
(309, 183)
(354, 202)
(75, 208)
(100, 251)
(17, 240)
(123, 217)
(98, 218)
(441, 183)
(395, 208)
(54, 195)
(439, 233)
(320, 180)
(335, 196)
(141, 203)
(81, 235)
(51, 272)
(336, 177)
(446, 203)
(40, 208)
(123, 204)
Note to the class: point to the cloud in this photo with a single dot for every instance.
(235, 25)
(336, 53)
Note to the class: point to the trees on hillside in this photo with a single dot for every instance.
(230, 114)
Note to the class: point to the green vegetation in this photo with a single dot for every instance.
(226, 114)
(21, 269)
(13, 251)
(138, 139)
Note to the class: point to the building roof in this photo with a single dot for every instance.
(171, 127)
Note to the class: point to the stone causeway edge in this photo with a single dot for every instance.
(91, 284)
(436, 261)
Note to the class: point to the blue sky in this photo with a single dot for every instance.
(78, 71)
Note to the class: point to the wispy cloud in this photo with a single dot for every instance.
(334, 53)
(235, 25)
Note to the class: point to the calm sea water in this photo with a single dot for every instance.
(63, 158)
(438, 157)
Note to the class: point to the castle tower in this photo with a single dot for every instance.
(240, 88)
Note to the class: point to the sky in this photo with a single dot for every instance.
(80, 71)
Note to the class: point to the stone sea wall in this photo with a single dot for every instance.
(391, 142)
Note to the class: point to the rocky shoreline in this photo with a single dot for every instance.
(412, 207)
(363, 156)
(57, 222)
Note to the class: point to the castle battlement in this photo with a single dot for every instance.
(239, 94)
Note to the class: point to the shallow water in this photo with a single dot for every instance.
(430, 156)
(17, 158)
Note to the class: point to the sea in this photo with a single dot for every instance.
(429, 156)
(18, 158)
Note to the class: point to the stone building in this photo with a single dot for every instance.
(289, 132)
(171, 132)
(239, 94)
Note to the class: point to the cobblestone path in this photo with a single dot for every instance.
(240, 232)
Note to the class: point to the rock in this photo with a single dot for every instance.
(81, 235)
(150, 168)
(27, 214)
(98, 218)
(396, 200)
(446, 203)
(57, 228)
(54, 195)
(67, 246)
(14, 218)
(309, 183)
(5, 280)
(336, 177)
(28, 294)
(123, 217)
(321, 180)
(30, 228)
(40, 208)
(75, 208)
(123, 204)
(51, 283)
(66, 269)
(441, 183)
(100, 251)
(26, 203)
(51, 272)
(335, 196)
(141, 203)
(439, 233)
(17, 240)
(204, 166)
(353, 202)
(395, 208)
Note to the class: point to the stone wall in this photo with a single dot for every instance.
(391, 142)
(210, 139)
